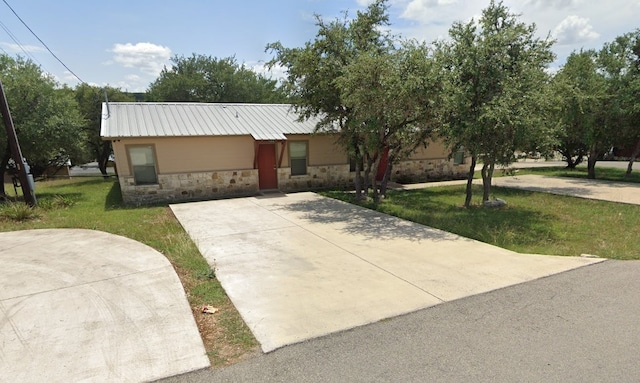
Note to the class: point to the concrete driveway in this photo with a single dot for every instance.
(87, 306)
(300, 266)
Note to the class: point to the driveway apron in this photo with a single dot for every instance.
(87, 306)
(300, 266)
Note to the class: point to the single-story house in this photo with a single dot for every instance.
(186, 151)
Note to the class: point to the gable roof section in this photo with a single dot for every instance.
(150, 119)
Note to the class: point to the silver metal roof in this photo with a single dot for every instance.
(151, 119)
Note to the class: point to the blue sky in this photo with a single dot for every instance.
(126, 43)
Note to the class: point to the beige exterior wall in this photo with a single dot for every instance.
(322, 150)
(434, 150)
(212, 167)
(191, 154)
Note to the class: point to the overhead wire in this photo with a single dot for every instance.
(18, 43)
(42, 42)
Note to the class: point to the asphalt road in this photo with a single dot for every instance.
(578, 326)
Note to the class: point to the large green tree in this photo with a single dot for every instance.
(581, 95)
(90, 99)
(619, 63)
(46, 117)
(494, 90)
(375, 90)
(201, 78)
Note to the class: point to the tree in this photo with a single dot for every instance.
(582, 95)
(90, 100)
(494, 90)
(202, 78)
(619, 62)
(368, 86)
(46, 117)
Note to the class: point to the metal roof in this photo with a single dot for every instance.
(176, 119)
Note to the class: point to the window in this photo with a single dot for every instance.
(298, 158)
(352, 164)
(458, 157)
(143, 165)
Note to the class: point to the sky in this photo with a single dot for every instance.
(126, 44)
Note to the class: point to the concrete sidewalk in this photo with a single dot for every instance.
(300, 266)
(82, 305)
(623, 192)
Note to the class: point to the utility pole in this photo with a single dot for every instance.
(24, 173)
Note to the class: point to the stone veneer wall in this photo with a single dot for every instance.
(208, 185)
(190, 186)
(428, 170)
(317, 177)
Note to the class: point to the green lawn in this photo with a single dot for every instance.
(95, 203)
(532, 222)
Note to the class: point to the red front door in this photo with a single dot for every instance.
(382, 167)
(267, 175)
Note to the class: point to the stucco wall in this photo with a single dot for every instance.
(434, 150)
(191, 154)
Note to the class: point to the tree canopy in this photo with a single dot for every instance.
(46, 117)
(201, 78)
(493, 94)
(90, 100)
(375, 90)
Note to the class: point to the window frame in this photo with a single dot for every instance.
(132, 167)
(306, 157)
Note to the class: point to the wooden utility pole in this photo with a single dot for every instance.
(24, 173)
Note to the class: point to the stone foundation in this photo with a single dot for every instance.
(190, 186)
(317, 177)
(211, 185)
(428, 170)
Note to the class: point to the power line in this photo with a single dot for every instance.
(18, 43)
(42, 42)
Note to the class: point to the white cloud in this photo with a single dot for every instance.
(147, 57)
(423, 10)
(278, 72)
(574, 30)
(558, 4)
(14, 48)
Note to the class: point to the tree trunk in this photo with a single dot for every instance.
(374, 182)
(387, 174)
(591, 163)
(634, 155)
(487, 174)
(472, 169)
(3, 170)
(367, 173)
(358, 181)
(103, 158)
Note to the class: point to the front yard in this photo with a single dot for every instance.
(531, 223)
(94, 203)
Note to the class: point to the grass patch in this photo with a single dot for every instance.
(18, 212)
(96, 203)
(537, 223)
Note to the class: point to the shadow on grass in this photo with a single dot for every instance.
(441, 208)
(113, 199)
